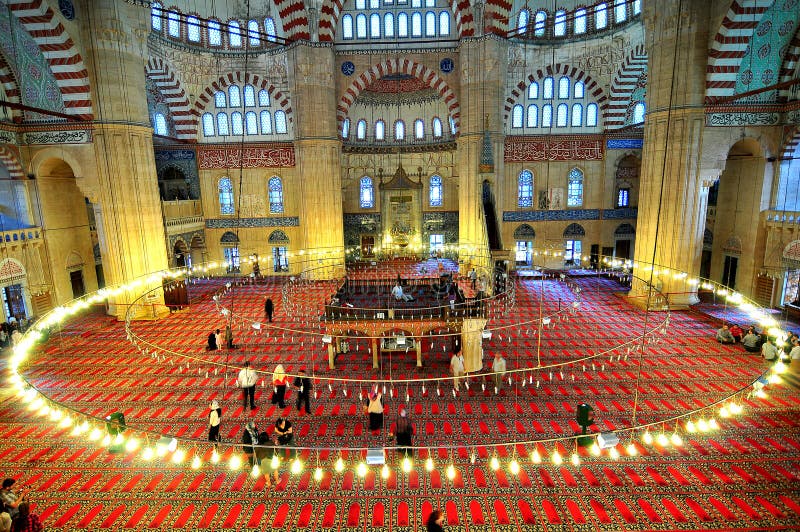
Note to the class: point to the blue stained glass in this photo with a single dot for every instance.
(437, 128)
(266, 123)
(280, 122)
(225, 196)
(525, 189)
(367, 195)
(208, 125)
(263, 98)
(214, 33)
(575, 188)
(275, 195)
(193, 29)
(435, 191)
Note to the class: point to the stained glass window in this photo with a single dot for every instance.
(222, 124)
(161, 124)
(577, 91)
(214, 33)
(539, 22)
(516, 116)
(375, 26)
(249, 96)
(280, 258)
(560, 25)
(263, 98)
(253, 33)
(435, 191)
(452, 125)
(637, 7)
(275, 195)
(580, 21)
(430, 24)
(361, 26)
(577, 115)
(419, 129)
(522, 20)
(234, 96)
(533, 116)
(346, 128)
(563, 88)
(225, 196)
(533, 90)
(600, 16)
(251, 123)
(208, 125)
(416, 24)
(361, 130)
(547, 115)
(155, 16)
(173, 24)
(547, 92)
(234, 34)
(388, 25)
(444, 23)
(591, 115)
(193, 29)
(367, 193)
(620, 10)
(437, 128)
(280, 122)
(236, 123)
(380, 130)
(399, 130)
(269, 27)
(266, 123)
(575, 188)
(561, 115)
(402, 25)
(525, 189)
(638, 113)
(220, 100)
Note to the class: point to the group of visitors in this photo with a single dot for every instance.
(11, 331)
(15, 514)
(755, 342)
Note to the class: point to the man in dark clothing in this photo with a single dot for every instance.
(302, 383)
(403, 430)
(268, 309)
(212, 342)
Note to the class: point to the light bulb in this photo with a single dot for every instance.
(702, 425)
(690, 426)
(132, 445)
(736, 408)
(318, 474)
(514, 467)
(106, 440)
(255, 472)
(236, 462)
(451, 472)
(712, 424)
(724, 412)
(536, 458)
(613, 453)
(196, 462)
(339, 465)
(275, 462)
(214, 457)
(407, 465)
(662, 440)
(576, 459)
(178, 456)
(557, 460)
(676, 439)
(148, 454)
(362, 469)
(494, 463)
(429, 464)
(385, 471)
(595, 449)
(297, 466)
(632, 450)
(647, 437)
(95, 434)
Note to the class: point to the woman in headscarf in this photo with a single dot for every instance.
(403, 430)
(279, 382)
(375, 410)
(250, 441)
(214, 420)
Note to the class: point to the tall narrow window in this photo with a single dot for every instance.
(399, 130)
(533, 116)
(280, 259)
(561, 115)
(236, 123)
(231, 254)
(522, 20)
(249, 96)
(430, 24)
(444, 23)
(251, 123)
(253, 33)
(173, 24)
(580, 21)
(577, 115)
(208, 125)
(346, 128)
(234, 34)
(263, 98)
(539, 22)
(547, 115)
(547, 91)
(533, 90)
(638, 113)
(225, 196)
(361, 26)
(380, 130)
(620, 11)
(156, 13)
(266, 123)
(234, 96)
(388, 25)
(280, 122)
(591, 115)
(578, 90)
(516, 116)
(435, 191)
(437, 128)
(563, 88)
(161, 124)
(600, 16)
(416, 24)
(220, 100)
(402, 25)
(560, 24)
(419, 129)
(269, 28)
(575, 188)
(623, 197)
(367, 193)
(525, 189)
(375, 26)
(193, 29)
(637, 7)
(214, 33)
(452, 125)
(275, 195)
(361, 130)
(222, 124)
(361, 4)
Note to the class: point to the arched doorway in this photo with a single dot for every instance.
(623, 241)
(279, 242)
(493, 231)
(524, 236)
(197, 249)
(181, 253)
(13, 290)
(573, 244)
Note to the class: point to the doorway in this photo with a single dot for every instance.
(367, 246)
(623, 249)
(76, 280)
(14, 301)
(729, 271)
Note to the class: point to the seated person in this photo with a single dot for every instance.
(398, 294)
(769, 351)
(736, 332)
(283, 431)
(751, 341)
(724, 336)
(794, 354)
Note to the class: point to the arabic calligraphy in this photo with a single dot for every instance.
(255, 157)
(58, 137)
(554, 150)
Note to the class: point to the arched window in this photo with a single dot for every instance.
(533, 90)
(361, 26)
(539, 23)
(444, 23)
(638, 113)
(193, 29)
(580, 21)
(161, 124)
(361, 4)
(547, 91)
(266, 123)
(577, 91)
(234, 34)
(525, 189)
(430, 24)
(280, 122)
(156, 13)
(416, 24)
(575, 188)
(437, 128)
(234, 96)
(561, 115)
(637, 7)
(222, 124)
(367, 193)
(236, 123)
(620, 11)
(452, 125)
(419, 129)
(388, 25)
(220, 100)
(402, 25)
(591, 115)
(249, 96)
(253, 33)
(251, 123)
(516, 116)
(380, 130)
(214, 33)
(399, 130)
(208, 125)
(522, 20)
(173, 24)
(225, 196)
(361, 130)
(533, 116)
(275, 195)
(435, 191)
(563, 88)
(375, 26)
(600, 16)
(547, 115)
(560, 24)
(577, 115)
(263, 98)
(346, 128)
(269, 28)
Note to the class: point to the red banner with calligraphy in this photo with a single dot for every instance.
(523, 149)
(281, 156)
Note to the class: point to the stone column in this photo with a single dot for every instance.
(124, 185)
(318, 155)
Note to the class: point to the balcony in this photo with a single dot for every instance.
(415, 145)
(16, 237)
(182, 216)
(783, 219)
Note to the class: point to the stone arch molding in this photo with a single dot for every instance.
(74, 261)
(169, 85)
(395, 66)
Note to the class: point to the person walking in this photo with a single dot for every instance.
(268, 309)
(279, 383)
(457, 369)
(302, 383)
(499, 369)
(247, 382)
(214, 420)
(404, 430)
(435, 522)
(375, 411)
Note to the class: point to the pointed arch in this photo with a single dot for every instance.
(163, 77)
(206, 97)
(9, 157)
(625, 83)
(278, 237)
(11, 87)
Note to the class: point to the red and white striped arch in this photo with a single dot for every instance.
(10, 87)
(207, 96)
(496, 16)
(294, 20)
(60, 52)
(792, 143)
(398, 66)
(623, 86)
(9, 157)
(331, 11)
(590, 86)
(170, 87)
(729, 46)
(789, 68)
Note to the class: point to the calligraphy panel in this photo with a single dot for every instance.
(554, 149)
(251, 157)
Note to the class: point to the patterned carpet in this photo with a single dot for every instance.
(745, 476)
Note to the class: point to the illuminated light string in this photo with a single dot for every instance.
(700, 420)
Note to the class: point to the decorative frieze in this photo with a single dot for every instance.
(280, 156)
(742, 119)
(8, 137)
(624, 144)
(75, 136)
(272, 221)
(523, 149)
(569, 215)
